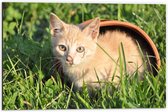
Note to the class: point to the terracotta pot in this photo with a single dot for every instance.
(134, 29)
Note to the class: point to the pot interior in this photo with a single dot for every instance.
(148, 51)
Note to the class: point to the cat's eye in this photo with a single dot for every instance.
(80, 49)
(56, 30)
(62, 47)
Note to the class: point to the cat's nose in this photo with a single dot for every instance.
(69, 59)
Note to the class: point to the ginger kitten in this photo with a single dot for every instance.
(89, 57)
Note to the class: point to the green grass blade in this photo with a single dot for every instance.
(84, 102)
(69, 97)
(123, 56)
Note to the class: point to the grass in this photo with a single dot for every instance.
(27, 58)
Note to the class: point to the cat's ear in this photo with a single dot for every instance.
(92, 29)
(56, 24)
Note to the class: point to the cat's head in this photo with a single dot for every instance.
(73, 45)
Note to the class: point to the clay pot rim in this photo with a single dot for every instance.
(135, 28)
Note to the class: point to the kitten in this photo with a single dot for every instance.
(89, 57)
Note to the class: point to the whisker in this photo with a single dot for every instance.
(49, 58)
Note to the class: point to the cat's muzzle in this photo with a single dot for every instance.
(69, 60)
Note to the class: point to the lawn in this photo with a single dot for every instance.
(28, 80)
